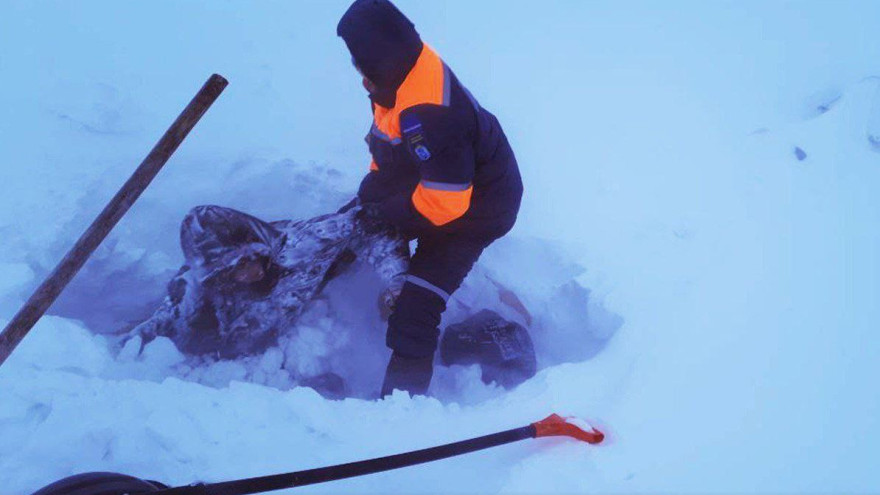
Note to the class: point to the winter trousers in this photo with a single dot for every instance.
(437, 268)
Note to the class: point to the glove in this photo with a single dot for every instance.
(370, 220)
(369, 212)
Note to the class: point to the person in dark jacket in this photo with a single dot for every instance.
(246, 282)
(442, 172)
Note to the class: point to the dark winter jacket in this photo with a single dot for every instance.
(441, 162)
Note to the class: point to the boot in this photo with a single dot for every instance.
(412, 375)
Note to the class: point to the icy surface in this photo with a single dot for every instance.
(657, 146)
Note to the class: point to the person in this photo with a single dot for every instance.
(245, 282)
(442, 172)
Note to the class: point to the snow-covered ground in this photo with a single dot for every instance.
(708, 172)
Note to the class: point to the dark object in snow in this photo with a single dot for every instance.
(411, 374)
(828, 105)
(800, 154)
(821, 102)
(52, 287)
(101, 484)
(551, 426)
(246, 281)
(329, 385)
(502, 348)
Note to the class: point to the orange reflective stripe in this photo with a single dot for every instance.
(441, 207)
(425, 84)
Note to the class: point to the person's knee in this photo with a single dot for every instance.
(413, 326)
(445, 265)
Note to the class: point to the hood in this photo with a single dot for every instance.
(383, 43)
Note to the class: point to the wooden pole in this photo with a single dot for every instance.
(55, 283)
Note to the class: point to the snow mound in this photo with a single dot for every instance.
(76, 409)
(714, 168)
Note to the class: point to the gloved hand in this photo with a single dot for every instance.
(370, 220)
(369, 212)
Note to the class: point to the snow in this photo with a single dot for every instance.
(663, 192)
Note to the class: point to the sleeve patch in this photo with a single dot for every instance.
(414, 134)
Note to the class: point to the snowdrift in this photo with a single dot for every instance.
(698, 246)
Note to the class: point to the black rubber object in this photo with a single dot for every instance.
(321, 475)
(503, 349)
(101, 484)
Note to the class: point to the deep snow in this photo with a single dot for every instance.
(658, 145)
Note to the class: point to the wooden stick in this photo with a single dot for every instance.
(51, 288)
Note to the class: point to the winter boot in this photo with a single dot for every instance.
(412, 375)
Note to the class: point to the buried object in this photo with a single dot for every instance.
(502, 348)
(246, 281)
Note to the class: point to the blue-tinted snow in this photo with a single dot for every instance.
(656, 145)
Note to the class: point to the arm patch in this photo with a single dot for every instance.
(414, 133)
